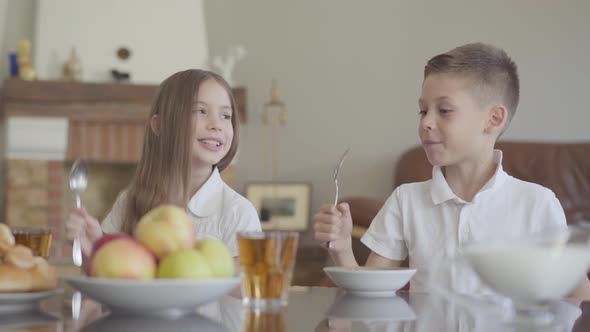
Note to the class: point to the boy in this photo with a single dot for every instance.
(469, 95)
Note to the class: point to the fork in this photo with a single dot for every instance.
(335, 176)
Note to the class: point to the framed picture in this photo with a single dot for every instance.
(281, 206)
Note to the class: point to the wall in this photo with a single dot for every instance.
(17, 19)
(164, 37)
(350, 74)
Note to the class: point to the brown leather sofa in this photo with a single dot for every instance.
(561, 167)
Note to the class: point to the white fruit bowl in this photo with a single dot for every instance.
(162, 297)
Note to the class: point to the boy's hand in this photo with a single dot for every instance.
(84, 226)
(334, 224)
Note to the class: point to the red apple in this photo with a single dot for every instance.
(99, 243)
(121, 256)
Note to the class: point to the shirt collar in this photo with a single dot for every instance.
(441, 192)
(208, 199)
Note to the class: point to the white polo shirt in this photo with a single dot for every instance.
(428, 222)
(217, 210)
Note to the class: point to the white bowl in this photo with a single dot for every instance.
(529, 272)
(352, 307)
(164, 297)
(369, 282)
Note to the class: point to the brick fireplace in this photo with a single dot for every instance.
(48, 125)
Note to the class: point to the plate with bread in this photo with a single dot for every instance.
(25, 279)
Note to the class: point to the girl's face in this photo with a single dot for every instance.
(212, 131)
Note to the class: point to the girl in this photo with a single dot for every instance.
(191, 136)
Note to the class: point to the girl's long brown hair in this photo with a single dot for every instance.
(163, 172)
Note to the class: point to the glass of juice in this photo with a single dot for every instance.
(267, 260)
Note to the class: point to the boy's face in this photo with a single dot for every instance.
(452, 123)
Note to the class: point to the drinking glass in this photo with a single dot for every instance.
(38, 239)
(267, 260)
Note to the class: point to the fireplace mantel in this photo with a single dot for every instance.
(86, 101)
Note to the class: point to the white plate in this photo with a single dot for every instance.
(25, 320)
(164, 297)
(22, 302)
(369, 282)
(354, 307)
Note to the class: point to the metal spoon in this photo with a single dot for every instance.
(335, 176)
(78, 184)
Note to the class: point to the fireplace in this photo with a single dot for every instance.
(48, 125)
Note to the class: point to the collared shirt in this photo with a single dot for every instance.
(428, 222)
(217, 211)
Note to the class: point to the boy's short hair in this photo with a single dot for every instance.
(495, 75)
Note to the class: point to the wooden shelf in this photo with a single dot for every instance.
(79, 99)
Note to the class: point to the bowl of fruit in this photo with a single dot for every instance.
(160, 270)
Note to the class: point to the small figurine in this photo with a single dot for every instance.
(123, 54)
(226, 67)
(25, 67)
(120, 76)
(13, 64)
(72, 70)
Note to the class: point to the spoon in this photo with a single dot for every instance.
(78, 184)
(335, 178)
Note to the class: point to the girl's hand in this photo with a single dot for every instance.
(82, 225)
(334, 224)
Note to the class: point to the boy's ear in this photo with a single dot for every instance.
(155, 124)
(497, 117)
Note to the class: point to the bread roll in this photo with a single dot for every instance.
(6, 239)
(20, 271)
(14, 279)
(44, 275)
(20, 256)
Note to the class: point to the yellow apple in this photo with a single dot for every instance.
(165, 229)
(218, 256)
(184, 264)
(120, 256)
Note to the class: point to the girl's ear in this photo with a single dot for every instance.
(155, 124)
(498, 115)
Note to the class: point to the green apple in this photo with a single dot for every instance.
(218, 256)
(184, 264)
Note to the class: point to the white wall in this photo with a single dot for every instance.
(350, 73)
(17, 19)
(164, 37)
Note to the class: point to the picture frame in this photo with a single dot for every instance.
(281, 206)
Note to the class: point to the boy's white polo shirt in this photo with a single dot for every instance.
(217, 210)
(428, 222)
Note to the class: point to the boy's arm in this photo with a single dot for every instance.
(378, 261)
(581, 292)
